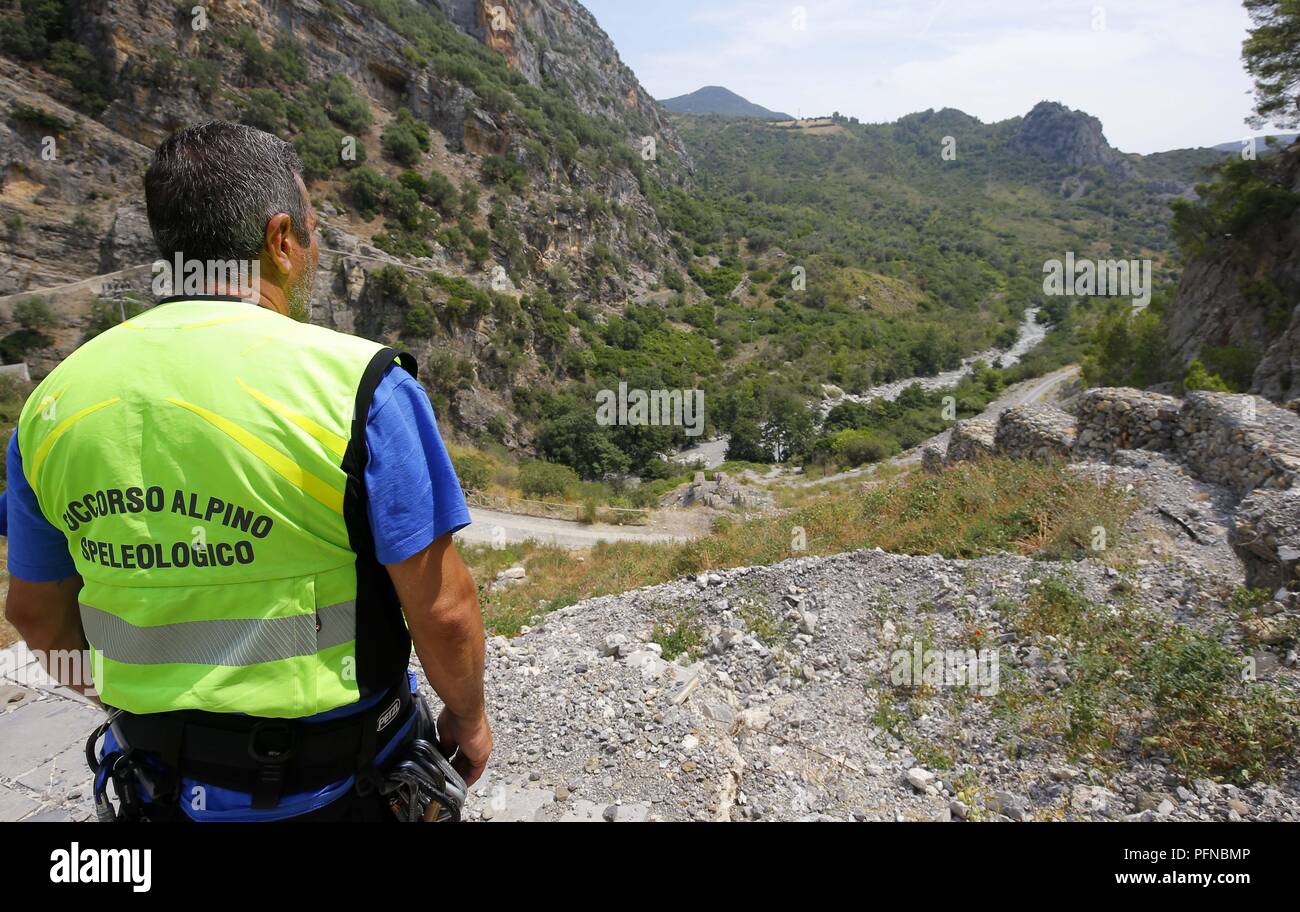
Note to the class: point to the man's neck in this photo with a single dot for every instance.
(268, 297)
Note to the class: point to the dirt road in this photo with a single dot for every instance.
(491, 527)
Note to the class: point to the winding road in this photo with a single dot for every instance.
(493, 527)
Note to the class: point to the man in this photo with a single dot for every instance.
(233, 510)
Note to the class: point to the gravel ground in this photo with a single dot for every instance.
(785, 708)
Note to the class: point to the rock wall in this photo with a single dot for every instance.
(1037, 431)
(1248, 299)
(1240, 442)
(1124, 419)
(972, 439)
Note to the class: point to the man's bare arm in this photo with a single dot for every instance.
(441, 605)
(48, 618)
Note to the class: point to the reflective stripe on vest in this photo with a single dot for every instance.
(242, 642)
(199, 460)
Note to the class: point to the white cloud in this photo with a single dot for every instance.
(1162, 74)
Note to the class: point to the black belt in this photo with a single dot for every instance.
(267, 758)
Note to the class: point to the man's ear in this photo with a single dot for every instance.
(279, 242)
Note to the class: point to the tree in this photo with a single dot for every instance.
(790, 427)
(345, 107)
(572, 437)
(746, 443)
(1272, 57)
(33, 314)
(405, 139)
(474, 471)
(1198, 378)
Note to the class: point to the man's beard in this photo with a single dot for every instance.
(299, 297)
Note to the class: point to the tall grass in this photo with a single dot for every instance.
(972, 510)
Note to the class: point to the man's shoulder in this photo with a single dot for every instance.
(322, 338)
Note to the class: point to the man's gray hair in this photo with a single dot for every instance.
(213, 187)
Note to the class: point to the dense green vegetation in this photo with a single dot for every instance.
(909, 262)
(41, 33)
(857, 258)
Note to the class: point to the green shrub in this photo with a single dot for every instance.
(345, 107)
(405, 138)
(498, 169)
(418, 322)
(205, 74)
(368, 190)
(861, 447)
(546, 479)
(29, 34)
(42, 120)
(265, 110)
(1234, 364)
(79, 67)
(321, 152)
(15, 347)
(1198, 378)
(474, 470)
(33, 314)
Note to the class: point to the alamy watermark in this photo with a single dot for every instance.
(181, 276)
(978, 669)
(1102, 278)
(76, 668)
(651, 408)
(75, 865)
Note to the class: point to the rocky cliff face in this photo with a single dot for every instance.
(548, 186)
(560, 42)
(1249, 302)
(1056, 133)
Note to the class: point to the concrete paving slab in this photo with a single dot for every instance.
(51, 815)
(36, 732)
(15, 804)
(66, 775)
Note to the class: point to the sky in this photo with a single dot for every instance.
(1160, 74)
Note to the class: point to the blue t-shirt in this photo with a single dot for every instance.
(412, 488)
(410, 481)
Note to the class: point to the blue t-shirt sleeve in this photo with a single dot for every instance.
(38, 551)
(415, 497)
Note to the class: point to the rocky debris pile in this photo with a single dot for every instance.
(722, 493)
(1125, 419)
(972, 439)
(1178, 516)
(789, 706)
(1035, 431)
(1243, 442)
(1266, 533)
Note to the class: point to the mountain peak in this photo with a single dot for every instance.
(720, 100)
(1057, 133)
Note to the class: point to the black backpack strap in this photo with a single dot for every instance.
(383, 645)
